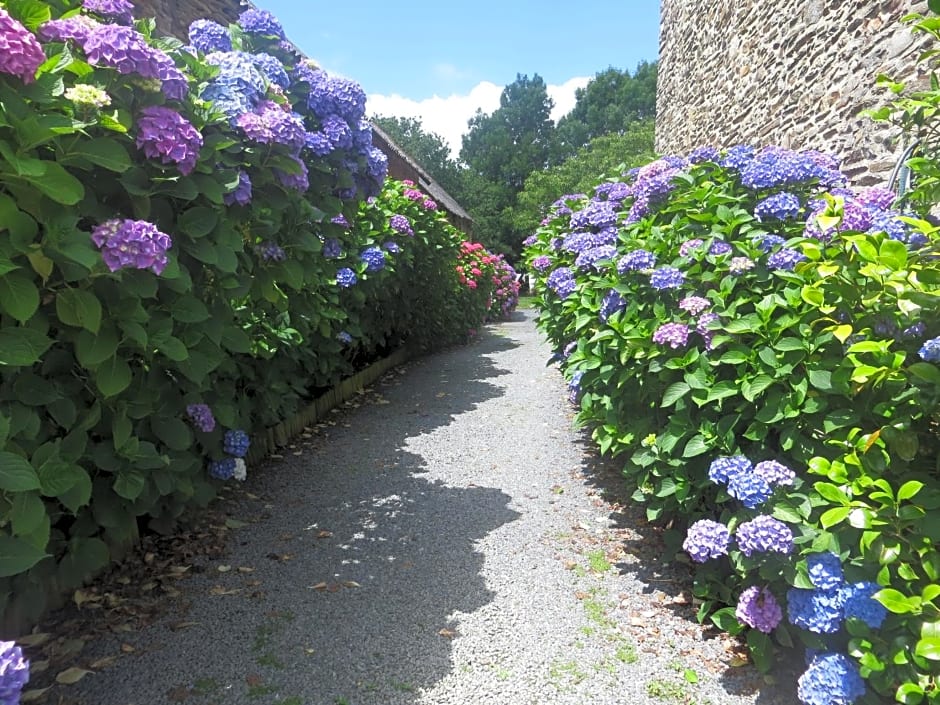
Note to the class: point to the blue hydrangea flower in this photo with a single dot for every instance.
(574, 387)
(666, 278)
(825, 570)
(786, 258)
(818, 611)
(720, 247)
(930, 350)
(374, 258)
(737, 157)
(775, 473)
(765, 243)
(704, 153)
(346, 277)
(222, 469)
(255, 21)
(749, 488)
(14, 672)
(613, 303)
(242, 192)
(236, 443)
(780, 206)
(272, 69)
(858, 603)
(344, 337)
(764, 534)
(208, 36)
(724, 468)
(590, 258)
(706, 539)
(831, 679)
(332, 248)
(392, 246)
(562, 282)
(596, 215)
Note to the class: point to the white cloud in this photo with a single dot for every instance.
(448, 117)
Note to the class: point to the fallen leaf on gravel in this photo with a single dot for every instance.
(33, 639)
(219, 590)
(737, 661)
(71, 675)
(324, 534)
(127, 648)
(38, 666)
(449, 633)
(178, 694)
(253, 680)
(319, 586)
(245, 569)
(29, 696)
(103, 662)
(224, 568)
(182, 625)
(235, 523)
(570, 565)
(581, 595)
(351, 584)
(80, 597)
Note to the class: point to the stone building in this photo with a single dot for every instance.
(173, 18)
(796, 73)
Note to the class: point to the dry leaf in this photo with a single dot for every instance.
(33, 639)
(127, 648)
(351, 584)
(737, 661)
(319, 586)
(581, 595)
(224, 568)
(178, 694)
(102, 663)
(183, 625)
(324, 534)
(235, 523)
(71, 675)
(310, 652)
(38, 666)
(245, 569)
(219, 590)
(80, 597)
(449, 633)
(29, 696)
(253, 680)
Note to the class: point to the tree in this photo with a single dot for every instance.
(606, 155)
(500, 150)
(427, 148)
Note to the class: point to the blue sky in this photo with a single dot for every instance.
(440, 61)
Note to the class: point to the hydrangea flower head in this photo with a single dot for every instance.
(706, 539)
(374, 258)
(739, 265)
(236, 442)
(164, 134)
(695, 304)
(859, 603)
(759, 609)
(831, 679)
(332, 248)
(775, 473)
(269, 123)
(765, 243)
(562, 282)
(877, 197)
(14, 672)
(270, 252)
(20, 51)
(825, 570)
(613, 303)
(786, 258)
(764, 534)
(541, 263)
(749, 488)
(76, 28)
(223, 469)
(134, 244)
(724, 468)
(392, 246)
(429, 205)
(125, 50)
(86, 94)
(297, 181)
(689, 246)
(705, 153)
(666, 278)
(240, 472)
(675, 335)
(720, 247)
(208, 36)
(930, 350)
(346, 277)
(818, 611)
(120, 11)
(589, 258)
(400, 224)
(242, 193)
(272, 69)
(201, 416)
(330, 95)
(779, 206)
(255, 21)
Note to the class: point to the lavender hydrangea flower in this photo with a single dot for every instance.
(330, 95)
(574, 387)
(831, 679)
(858, 603)
(346, 277)
(759, 609)
(739, 265)
(774, 167)
(208, 36)
(272, 69)
(337, 132)
(429, 205)
(400, 224)
(779, 206)
(596, 215)
(786, 258)
(14, 672)
(125, 50)
(134, 244)
(877, 198)
(164, 134)
(724, 468)
(690, 246)
(332, 248)
(613, 303)
(298, 181)
(242, 192)
(825, 570)
(675, 335)
(703, 327)
(269, 123)
(818, 611)
(76, 28)
(562, 282)
(201, 416)
(20, 51)
(270, 252)
(706, 539)
(120, 11)
(541, 263)
(749, 488)
(255, 21)
(765, 243)
(374, 259)
(775, 473)
(695, 304)
(636, 260)
(666, 278)
(590, 258)
(236, 443)
(720, 247)
(764, 534)
(705, 153)
(222, 469)
(930, 350)
(529, 241)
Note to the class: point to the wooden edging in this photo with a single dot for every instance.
(280, 435)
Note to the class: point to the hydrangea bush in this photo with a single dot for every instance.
(755, 341)
(177, 221)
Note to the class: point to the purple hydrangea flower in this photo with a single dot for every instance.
(739, 265)
(930, 350)
(164, 134)
(222, 469)
(562, 282)
(14, 672)
(120, 11)
(636, 260)
(675, 335)
(392, 246)
(429, 205)
(236, 443)
(270, 252)
(831, 679)
(20, 51)
(377, 165)
(694, 304)
(332, 248)
(529, 241)
(915, 331)
(818, 611)
(878, 198)
(780, 206)
(574, 387)
(825, 570)
(689, 246)
(666, 278)
(774, 167)
(704, 153)
(582, 241)
(706, 539)
(724, 468)
(330, 95)
(297, 181)
(242, 192)
(775, 473)
(400, 224)
(613, 303)
(255, 21)
(786, 258)
(337, 131)
(134, 244)
(344, 337)
(759, 609)
(541, 263)
(859, 603)
(765, 243)
(737, 157)
(764, 534)
(590, 258)
(201, 416)
(346, 277)
(208, 36)
(125, 50)
(272, 69)
(269, 123)
(374, 259)
(720, 247)
(340, 219)
(749, 488)
(319, 143)
(76, 28)
(596, 215)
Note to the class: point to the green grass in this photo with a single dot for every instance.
(598, 561)
(526, 303)
(626, 653)
(666, 690)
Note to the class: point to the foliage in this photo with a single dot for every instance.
(178, 270)
(726, 319)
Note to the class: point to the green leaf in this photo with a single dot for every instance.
(27, 513)
(892, 253)
(750, 389)
(695, 446)
(79, 495)
(79, 308)
(910, 693)
(91, 350)
(926, 372)
(17, 556)
(32, 13)
(761, 648)
(909, 489)
(834, 516)
(831, 493)
(19, 296)
(173, 348)
(786, 513)
(105, 152)
(821, 380)
(113, 376)
(58, 476)
(674, 392)
(129, 484)
(16, 474)
(928, 648)
(189, 309)
(787, 344)
(895, 601)
(57, 184)
(198, 222)
(174, 433)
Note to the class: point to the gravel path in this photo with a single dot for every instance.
(445, 539)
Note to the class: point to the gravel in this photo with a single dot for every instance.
(448, 537)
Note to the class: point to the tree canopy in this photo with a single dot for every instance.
(427, 148)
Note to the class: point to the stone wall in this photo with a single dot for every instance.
(796, 73)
